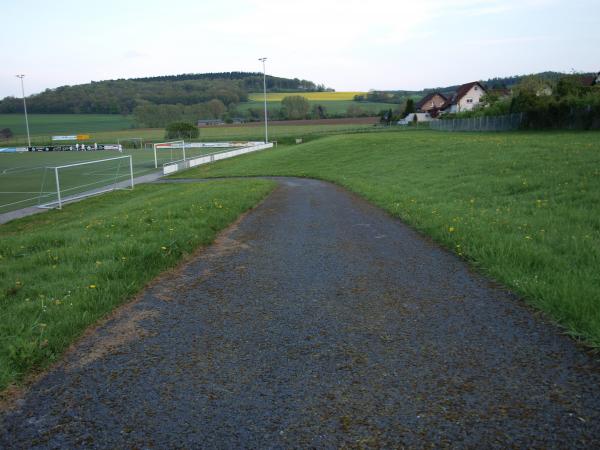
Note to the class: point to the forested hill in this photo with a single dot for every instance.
(123, 95)
(504, 82)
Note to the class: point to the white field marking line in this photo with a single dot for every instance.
(97, 173)
(25, 192)
(22, 201)
(23, 169)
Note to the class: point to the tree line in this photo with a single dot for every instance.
(547, 103)
(251, 81)
(159, 116)
(123, 96)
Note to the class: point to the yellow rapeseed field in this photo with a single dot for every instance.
(312, 96)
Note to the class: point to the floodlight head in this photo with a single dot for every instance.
(262, 59)
(20, 76)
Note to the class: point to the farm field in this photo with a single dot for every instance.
(63, 270)
(250, 131)
(523, 208)
(310, 96)
(331, 106)
(64, 124)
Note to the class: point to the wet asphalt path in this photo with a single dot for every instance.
(318, 321)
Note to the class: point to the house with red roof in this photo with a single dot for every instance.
(431, 101)
(590, 80)
(466, 98)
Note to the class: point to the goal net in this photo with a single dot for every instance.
(166, 152)
(70, 182)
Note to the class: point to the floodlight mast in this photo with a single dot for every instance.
(25, 109)
(265, 95)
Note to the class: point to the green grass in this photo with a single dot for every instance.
(279, 132)
(24, 175)
(64, 124)
(311, 96)
(218, 133)
(63, 270)
(331, 106)
(522, 207)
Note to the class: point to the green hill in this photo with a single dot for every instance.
(123, 95)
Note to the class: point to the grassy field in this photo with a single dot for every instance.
(524, 208)
(334, 102)
(331, 106)
(24, 177)
(218, 133)
(63, 270)
(311, 96)
(25, 181)
(64, 124)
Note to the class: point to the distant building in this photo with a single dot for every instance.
(466, 98)
(420, 117)
(238, 120)
(431, 101)
(590, 80)
(210, 122)
(499, 92)
(544, 91)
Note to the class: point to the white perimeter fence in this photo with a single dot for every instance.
(508, 122)
(176, 166)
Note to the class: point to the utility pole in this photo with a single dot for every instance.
(265, 94)
(25, 108)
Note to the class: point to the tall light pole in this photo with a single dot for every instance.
(265, 93)
(25, 108)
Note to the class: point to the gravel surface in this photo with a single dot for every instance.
(317, 321)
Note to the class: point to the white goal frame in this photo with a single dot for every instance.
(181, 144)
(60, 200)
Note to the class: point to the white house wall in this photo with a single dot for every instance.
(475, 94)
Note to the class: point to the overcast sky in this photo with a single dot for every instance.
(348, 45)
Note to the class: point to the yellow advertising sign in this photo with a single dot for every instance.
(83, 137)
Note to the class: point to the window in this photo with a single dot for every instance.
(469, 100)
(476, 88)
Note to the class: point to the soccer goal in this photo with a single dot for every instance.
(70, 182)
(176, 151)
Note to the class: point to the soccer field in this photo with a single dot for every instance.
(26, 181)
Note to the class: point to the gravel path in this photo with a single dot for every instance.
(317, 321)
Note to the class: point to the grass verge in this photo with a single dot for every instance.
(63, 270)
(522, 207)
